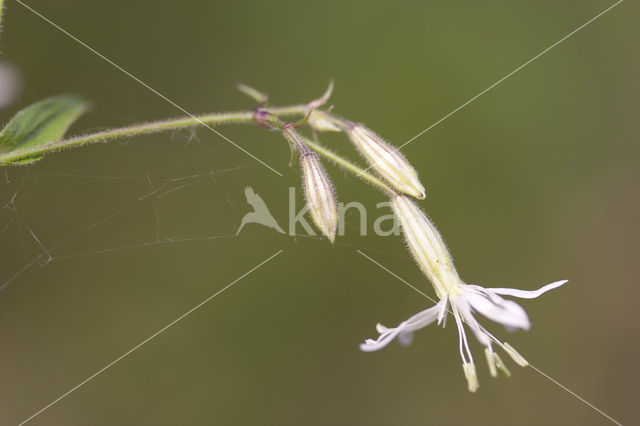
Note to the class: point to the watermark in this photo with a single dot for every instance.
(382, 222)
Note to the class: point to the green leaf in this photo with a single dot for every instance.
(27, 160)
(43, 122)
(1, 10)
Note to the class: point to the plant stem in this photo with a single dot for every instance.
(239, 117)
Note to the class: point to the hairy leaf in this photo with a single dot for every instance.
(43, 122)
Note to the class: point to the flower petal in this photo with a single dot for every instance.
(405, 339)
(494, 307)
(424, 318)
(527, 294)
(383, 340)
(404, 330)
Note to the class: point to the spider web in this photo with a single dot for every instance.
(22, 241)
(19, 186)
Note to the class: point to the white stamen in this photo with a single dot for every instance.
(442, 316)
(471, 376)
(500, 364)
(519, 359)
(488, 352)
(463, 337)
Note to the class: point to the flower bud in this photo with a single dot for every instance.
(318, 190)
(320, 196)
(386, 160)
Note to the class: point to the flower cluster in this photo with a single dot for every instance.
(384, 158)
(400, 181)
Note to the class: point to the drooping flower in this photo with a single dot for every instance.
(457, 297)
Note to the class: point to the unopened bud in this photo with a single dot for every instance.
(320, 196)
(318, 190)
(386, 160)
(472, 378)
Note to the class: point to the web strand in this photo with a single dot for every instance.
(159, 187)
(45, 256)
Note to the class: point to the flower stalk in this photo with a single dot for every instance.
(215, 119)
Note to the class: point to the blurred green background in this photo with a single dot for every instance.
(537, 180)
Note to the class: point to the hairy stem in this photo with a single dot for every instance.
(348, 165)
(215, 119)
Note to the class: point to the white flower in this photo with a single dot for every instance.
(472, 298)
(457, 297)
